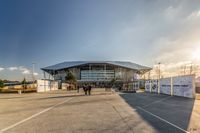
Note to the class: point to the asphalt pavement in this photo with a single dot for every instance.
(72, 112)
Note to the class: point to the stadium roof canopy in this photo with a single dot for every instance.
(71, 64)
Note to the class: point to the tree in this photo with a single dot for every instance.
(70, 78)
(24, 84)
(1, 83)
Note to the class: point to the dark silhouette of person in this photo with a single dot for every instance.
(85, 89)
(89, 88)
(78, 87)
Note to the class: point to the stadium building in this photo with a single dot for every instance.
(96, 72)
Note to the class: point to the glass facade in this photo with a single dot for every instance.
(97, 75)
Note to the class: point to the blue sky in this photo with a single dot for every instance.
(52, 31)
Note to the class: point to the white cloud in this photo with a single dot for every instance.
(194, 15)
(21, 69)
(171, 12)
(1, 69)
(12, 68)
(24, 70)
(35, 74)
(178, 46)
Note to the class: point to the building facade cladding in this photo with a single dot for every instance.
(97, 72)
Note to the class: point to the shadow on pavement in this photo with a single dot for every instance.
(176, 110)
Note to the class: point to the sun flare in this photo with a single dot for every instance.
(196, 54)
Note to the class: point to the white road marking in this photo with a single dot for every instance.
(163, 120)
(33, 116)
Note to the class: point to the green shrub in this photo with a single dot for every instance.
(1, 83)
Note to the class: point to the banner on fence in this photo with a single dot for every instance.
(148, 86)
(183, 86)
(151, 86)
(154, 86)
(165, 86)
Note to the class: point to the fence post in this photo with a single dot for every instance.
(172, 86)
(159, 86)
(193, 86)
(150, 84)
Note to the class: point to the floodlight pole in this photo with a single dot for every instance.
(159, 70)
(159, 78)
(33, 67)
(149, 75)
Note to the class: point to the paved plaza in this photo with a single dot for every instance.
(71, 112)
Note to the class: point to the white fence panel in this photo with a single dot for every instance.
(46, 85)
(184, 86)
(165, 86)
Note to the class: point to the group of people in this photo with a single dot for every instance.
(87, 89)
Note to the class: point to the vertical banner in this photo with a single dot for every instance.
(148, 86)
(151, 86)
(154, 86)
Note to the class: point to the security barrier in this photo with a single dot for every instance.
(183, 86)
(46, 85)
